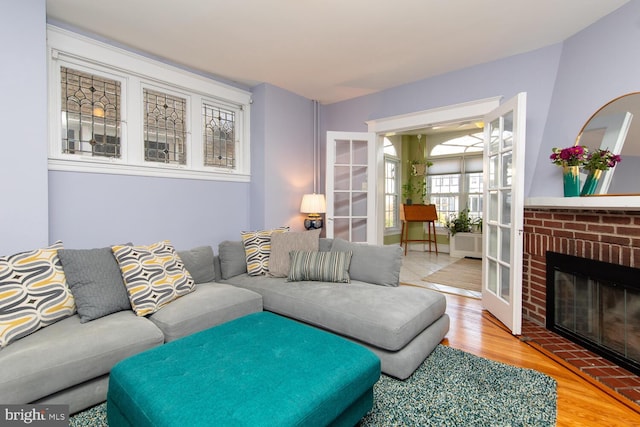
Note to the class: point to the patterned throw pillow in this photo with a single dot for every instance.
(33, 293)
(154, 275)
(257, 247)
(320, 266)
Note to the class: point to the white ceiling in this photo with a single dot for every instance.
(331, 50)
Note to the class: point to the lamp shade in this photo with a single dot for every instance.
(313, 204)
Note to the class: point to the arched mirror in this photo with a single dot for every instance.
(616, 126)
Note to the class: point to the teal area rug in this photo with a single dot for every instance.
(451, 388)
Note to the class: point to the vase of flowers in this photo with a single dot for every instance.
(571, 159)
(595, 164)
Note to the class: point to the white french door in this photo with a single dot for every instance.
(351, 186)
(504, 152)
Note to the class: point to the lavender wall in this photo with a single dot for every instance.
(282, 157)
(598, 64)
(23, 119)
(532, 72)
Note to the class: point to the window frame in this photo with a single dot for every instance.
(134, 71)
(396, 211)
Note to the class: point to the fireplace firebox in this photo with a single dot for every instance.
(597, 305)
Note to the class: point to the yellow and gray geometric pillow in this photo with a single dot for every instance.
(257, 247)
(154, 275)
(33, 293)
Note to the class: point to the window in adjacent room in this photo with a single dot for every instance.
(455, 179)
(391, 186)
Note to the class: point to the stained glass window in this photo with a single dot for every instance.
(219, 136)
(90, 114)
(164, 128)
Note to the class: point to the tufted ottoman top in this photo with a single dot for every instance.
(260, 369)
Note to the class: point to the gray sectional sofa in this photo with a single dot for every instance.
(68, 362)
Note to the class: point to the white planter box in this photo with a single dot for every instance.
(465, 245)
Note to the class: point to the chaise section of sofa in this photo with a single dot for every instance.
(401, 324)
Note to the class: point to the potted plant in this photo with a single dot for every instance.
(465, 235)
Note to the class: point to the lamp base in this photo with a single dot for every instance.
(313, 222)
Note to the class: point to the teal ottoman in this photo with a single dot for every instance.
(258, 370)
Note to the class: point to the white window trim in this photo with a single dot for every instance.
(135, 72)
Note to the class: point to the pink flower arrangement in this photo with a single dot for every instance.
(601, 160)
(570, 156)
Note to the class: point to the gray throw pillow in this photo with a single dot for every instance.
(379, 265)
(233, 260)
(199, 263)
(95, 280)
(283, 243)
(324, 244)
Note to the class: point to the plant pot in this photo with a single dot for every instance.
(591, 183)
(408, 202)
(571, 180)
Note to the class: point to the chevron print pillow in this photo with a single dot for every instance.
(33, 293)
(257, 248)
(154, 275)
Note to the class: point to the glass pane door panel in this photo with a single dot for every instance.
(359, 231)
(493, 206)
(359, 178)
(507, 170)
(493, 276)
(359, 204)
(494, 144)
(504, 283)
(493, 170)
(343, 152)
(492, 234)
(342, 179)
(505, 245)
(341, 204)
(505, 214)
(360, 153)
(341, 228)
(507, 134)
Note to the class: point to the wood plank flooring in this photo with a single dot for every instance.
(580, 403)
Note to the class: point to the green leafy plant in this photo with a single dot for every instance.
(462, 223)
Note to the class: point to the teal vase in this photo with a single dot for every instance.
(571, 178)
(591, 183)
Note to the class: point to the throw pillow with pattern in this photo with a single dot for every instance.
(154, 275)
(33, 293)
(257, 248)
(320, 266)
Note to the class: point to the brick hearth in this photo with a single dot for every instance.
(609, 236)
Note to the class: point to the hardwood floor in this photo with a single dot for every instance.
(580, 403)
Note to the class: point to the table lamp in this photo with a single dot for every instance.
(313, 205)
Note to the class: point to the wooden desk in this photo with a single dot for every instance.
(418, 213)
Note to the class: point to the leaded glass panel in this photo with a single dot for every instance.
(90, 114)
(219, 136)
(165, 132)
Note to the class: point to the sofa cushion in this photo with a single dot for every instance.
(154, 275)
(95, 281)
(232, 259)
(379, 265)
(257, 248)
(199, 263)
(283, 243)
(33, 293)
(320, 266)
(68, 353)
(382, 316)
(209, 305)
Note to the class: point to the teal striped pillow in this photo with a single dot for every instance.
(319, 266)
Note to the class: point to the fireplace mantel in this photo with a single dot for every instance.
(626, 203)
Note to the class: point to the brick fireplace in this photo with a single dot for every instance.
(611, 236)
